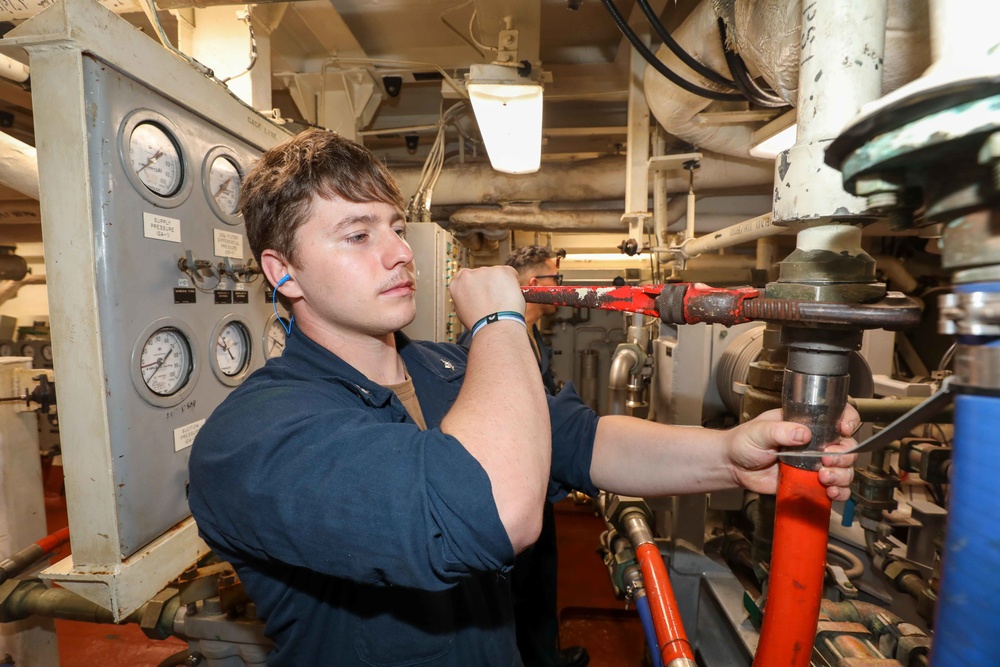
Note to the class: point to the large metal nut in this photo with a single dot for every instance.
(897, 568)
(617, 506)
(157, 617)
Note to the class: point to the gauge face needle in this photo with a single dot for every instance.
(160, 363)
(227, 348)
(277, 342)
(222, 188)
(151, 160)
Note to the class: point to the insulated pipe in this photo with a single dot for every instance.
(798, 560)
(599, 179)
(672, 642)
(534, 218)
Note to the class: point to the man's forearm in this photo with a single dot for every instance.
(642, 458)
(501, 416)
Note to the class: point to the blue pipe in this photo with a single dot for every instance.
(965, 630)
(646, 616)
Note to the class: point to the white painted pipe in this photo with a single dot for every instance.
(689, 227)
(18, 166)
(12, 69)
(749, 230)
(840, 69)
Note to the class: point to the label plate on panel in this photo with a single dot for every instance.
(184, 435)
(161, 228)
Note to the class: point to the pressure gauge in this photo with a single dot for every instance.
(232, 351)
(6, 349)
(224, 180)
(156, 159)
(46, 351)
(165, 361)
(28, 350)
(274, 336)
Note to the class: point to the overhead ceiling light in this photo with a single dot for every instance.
(508, 109)
(775, 137)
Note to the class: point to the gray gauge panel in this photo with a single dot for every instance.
(142, 229)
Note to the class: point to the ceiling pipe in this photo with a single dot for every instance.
(603, 178)
(765, 33)
(18, 166)
(531, 217)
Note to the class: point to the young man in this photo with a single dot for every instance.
(372, 491)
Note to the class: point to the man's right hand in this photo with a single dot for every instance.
(484, 291)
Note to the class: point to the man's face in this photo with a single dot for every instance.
(354, 269)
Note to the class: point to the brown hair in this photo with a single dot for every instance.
(529, 260)
(277, 194)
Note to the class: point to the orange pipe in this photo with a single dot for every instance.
(670, 633)
(798, 561)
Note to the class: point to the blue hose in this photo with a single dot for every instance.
(966, 623)
(646, 616)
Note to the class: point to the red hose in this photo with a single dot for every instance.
(798, 561)
(666, 619)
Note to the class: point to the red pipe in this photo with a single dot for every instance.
(50, 543)
(798, 561)
(28, 556)
(670, 633)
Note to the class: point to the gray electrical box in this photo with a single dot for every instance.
(437, 258)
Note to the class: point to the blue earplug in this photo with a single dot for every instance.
(287, 327)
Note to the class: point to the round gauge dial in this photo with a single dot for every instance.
(232, 349)
(47, 352)
(165, 361)
(274, 337)
(28, 350)
(6, 349)
(224, 180)
(155, 159)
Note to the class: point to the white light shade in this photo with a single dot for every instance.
(775, 137)
(510, 120)
(775, 144)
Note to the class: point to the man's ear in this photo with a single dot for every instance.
(532, 281)
(275, 267)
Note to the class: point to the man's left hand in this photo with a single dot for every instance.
(754, 457)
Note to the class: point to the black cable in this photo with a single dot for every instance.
(660, 66)
(745, 82)
(679, 51)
